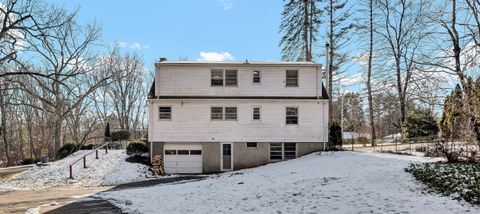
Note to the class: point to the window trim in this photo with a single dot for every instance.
(259, 76)
(224, 77)
(298, 116)
(259, 113)
(224, 113)
(171, 113)
(211, 77)
(286, 79)
(282, 150)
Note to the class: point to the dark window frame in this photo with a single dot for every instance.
(257, 77)
(256, 115)
(252, 145)
(291, 78)
(165, 114)
(291, 118)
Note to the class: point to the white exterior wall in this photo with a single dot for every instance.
(191, 121)
(195, 81)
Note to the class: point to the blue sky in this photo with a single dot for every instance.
(246, 29)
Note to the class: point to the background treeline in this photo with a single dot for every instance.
(60, 84)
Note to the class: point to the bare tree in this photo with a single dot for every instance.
(403, 28)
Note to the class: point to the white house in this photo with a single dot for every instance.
(207, 117)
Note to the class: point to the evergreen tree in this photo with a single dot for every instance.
(300, 23)
(453, 117)
(421, 123)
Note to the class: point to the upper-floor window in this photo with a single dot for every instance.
(223, 113)
(217, 77)
(231, 78)
(256, 113)
(292, 115)
(165, 113)
(291, 78)
(220, 77)
(256, 77)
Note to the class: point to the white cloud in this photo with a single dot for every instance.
(227, 4)
(133, 46)
(215, 56)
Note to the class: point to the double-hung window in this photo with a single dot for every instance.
(165, 113)
(257, 77)
(256, 113)
(220, 77)
(216, 77)
(291, 78)
(216, 113)
(223, 113)
(291, 115)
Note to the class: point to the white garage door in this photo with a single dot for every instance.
(183, 158)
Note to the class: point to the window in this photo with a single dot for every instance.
(217, 77)
(183, 152)
(289, 151)
(276, 151)
(216, 113)
(165, 113)
(251, 145)
(170, 152)
(195, 152)
(230, 77)
(282, 151)
(230, 113)
(256, 113)
(292, 115)
(292, 78)
(256, 77)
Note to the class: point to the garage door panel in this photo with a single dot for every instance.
(183, 160)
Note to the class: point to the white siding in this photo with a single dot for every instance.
(195, 80)
(191, 121)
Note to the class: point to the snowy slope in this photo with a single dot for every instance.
(342, 182)
(110, 169)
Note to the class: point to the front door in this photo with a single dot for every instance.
(226, 157)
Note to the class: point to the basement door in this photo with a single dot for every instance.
(226, 156)
(183, 158)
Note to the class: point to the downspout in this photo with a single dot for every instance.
(316, 91)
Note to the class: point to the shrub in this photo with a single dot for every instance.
(66, 150)
(362, 140)
(145, 160)
(120, 135)
(29, 161)
(136, 148)
(335, 136)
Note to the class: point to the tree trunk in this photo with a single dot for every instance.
(369, 77)
(4, 127)
(330, 66)
(305, 30)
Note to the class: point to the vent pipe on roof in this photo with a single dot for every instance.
(162, 59)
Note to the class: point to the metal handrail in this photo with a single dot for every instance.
(84, 157)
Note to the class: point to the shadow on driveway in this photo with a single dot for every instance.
(95, 204)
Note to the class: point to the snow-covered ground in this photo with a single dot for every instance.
(110, 169)
(342, 182)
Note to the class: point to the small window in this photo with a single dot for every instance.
(170, 152)
(292, 115)
(251, 145)
(195, 152)
(165, 113)
(256, 113)
(217, 77)
(183, 152)
(230, 113)
(216, 113)
(292, 78)
(230, 77)
(256, 77)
